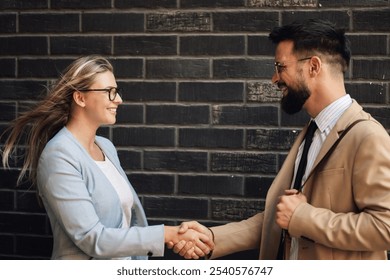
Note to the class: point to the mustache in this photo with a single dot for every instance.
(281, 84)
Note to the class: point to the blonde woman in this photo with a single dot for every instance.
(93, 209)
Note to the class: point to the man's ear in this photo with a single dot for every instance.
(315, 65)
(79, 98)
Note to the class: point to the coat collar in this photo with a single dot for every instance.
(350, 115)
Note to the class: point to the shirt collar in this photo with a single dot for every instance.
(328, 117)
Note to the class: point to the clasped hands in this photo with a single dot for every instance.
(194, 240)
(190, 240)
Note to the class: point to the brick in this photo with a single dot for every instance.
(210, 138)
(367, 93)
(175, 161)
(34, 246)
(211, 92)
(130, 114)
(21, 89)
(340, 18)
(245, 21)
(80, 45)
(270, 139)
(212, 45)
(6, 245)
(7, 200)
(49, 23)
(127, 67)
(27, 201)
(145, 45)
(8, 69)
(210, 185)
(8, 111)
(245, 115)
(113, 22)
(22, 223)
(377, 69)
(235, 209)
(178, 22)
(372, 20)
(103, 131)
(177, 68)
(283, 3)
(12, 4)
(183, 208)
(380, 114)
(130, 160)
(353, 3)
(8, 178)
(368, 44)
(296, 120)
(260, 45)
(148, 91)
(152, 4)
(24, 45)
(243, 68)
(177, 114)
(42, 67)
(261, 92)
(257, 187)
(143, 136)
(153, 183)
(80, 4)
(243, 162)
(211, 3)
(7, 23)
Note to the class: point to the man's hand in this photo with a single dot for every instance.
(189, 249)
(287, 205)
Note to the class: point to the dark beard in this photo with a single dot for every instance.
(293, 101)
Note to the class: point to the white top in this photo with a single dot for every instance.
(121, 187)
(325, 121)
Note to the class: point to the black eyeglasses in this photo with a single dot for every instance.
(279, 67)
(112, 92)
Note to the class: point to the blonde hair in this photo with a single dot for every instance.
(37, 126)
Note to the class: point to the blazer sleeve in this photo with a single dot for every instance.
(64, 192)
(237, 236)
(367, 229)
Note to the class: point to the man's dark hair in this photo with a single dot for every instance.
(315, 35)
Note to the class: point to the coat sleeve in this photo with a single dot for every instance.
(237, 236)
(66, 197)
(368, 228)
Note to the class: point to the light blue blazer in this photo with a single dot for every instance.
(84, 208)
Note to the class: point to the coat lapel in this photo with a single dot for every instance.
(346, 119)
(271, 236)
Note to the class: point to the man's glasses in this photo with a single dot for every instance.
(112, 92)
(279, 67)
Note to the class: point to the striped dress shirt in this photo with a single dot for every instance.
(325, 121)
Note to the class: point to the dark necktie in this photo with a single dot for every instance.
(303, 161)
(298, 177)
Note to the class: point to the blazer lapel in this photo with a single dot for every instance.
(271, 234)
(347, 118)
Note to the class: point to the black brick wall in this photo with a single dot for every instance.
(200, 134)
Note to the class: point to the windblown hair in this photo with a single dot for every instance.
(36, 127)
(316, 36)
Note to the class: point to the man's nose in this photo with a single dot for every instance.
(275, 77)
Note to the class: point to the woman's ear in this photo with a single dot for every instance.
(79, 98)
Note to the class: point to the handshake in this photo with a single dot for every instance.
(190, 240)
